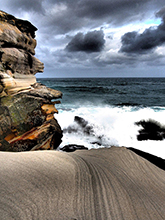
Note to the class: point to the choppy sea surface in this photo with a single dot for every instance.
(110, 108)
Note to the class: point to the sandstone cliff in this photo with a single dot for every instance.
(26, 109)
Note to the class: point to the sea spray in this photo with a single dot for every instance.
(111, 106)
(111, 126)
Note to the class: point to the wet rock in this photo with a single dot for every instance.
(80, 124)
(87, 129)
(73, 147)
(151, 130)
(97, 143)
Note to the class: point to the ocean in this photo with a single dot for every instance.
(108, 110)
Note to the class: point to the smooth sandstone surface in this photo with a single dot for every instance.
(98, 184)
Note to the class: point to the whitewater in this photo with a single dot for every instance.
(111, 109)
(116, 127)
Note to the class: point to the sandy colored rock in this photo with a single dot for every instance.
(12, 85)
(17, 49)
(99, 184)
(49, 109)
(26, 111)
(17, 33)
(20, 61)
(42, 91)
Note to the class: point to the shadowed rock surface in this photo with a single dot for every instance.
(98, 184)
(151, 130)
(26, 110)
(87, 129)
(81, 124)
(73, 147)
(159, 162)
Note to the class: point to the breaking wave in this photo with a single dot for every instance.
(110, 126)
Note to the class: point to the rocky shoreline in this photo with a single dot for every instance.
(113, 183)
(26, 108)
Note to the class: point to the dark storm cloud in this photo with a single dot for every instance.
(90, 42)
(24, 5)
(93, 13)
(161, 12)
(58, 20)
(133, 42)
(81, 13)
(118, 9)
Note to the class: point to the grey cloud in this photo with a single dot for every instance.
(55, 19)
(116, 12)
(64, 59)
(133, 42)
(90, 42)
(93, 13)
(161, 12)
(121, 60)
(82, 13)
(24, 5)
(103, 8)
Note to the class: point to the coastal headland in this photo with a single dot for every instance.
(26, 108)
(104, 184)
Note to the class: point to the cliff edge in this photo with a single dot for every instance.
(26, 109)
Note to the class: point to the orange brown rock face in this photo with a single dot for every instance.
(26, 112)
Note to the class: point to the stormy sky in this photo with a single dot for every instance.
(96, 38)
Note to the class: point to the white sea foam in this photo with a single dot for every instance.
(112, 126)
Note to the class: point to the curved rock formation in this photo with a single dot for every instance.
(26, 110)
(98, 184)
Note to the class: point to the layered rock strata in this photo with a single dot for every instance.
(26, 109)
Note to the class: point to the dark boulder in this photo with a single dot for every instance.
(73, 147)
(80, 124)
(151, 130)
(87, 129)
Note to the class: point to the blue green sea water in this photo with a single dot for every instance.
(111, 106)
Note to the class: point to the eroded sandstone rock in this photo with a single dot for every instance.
(17, 49)
(26, 111)
(17, 33)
